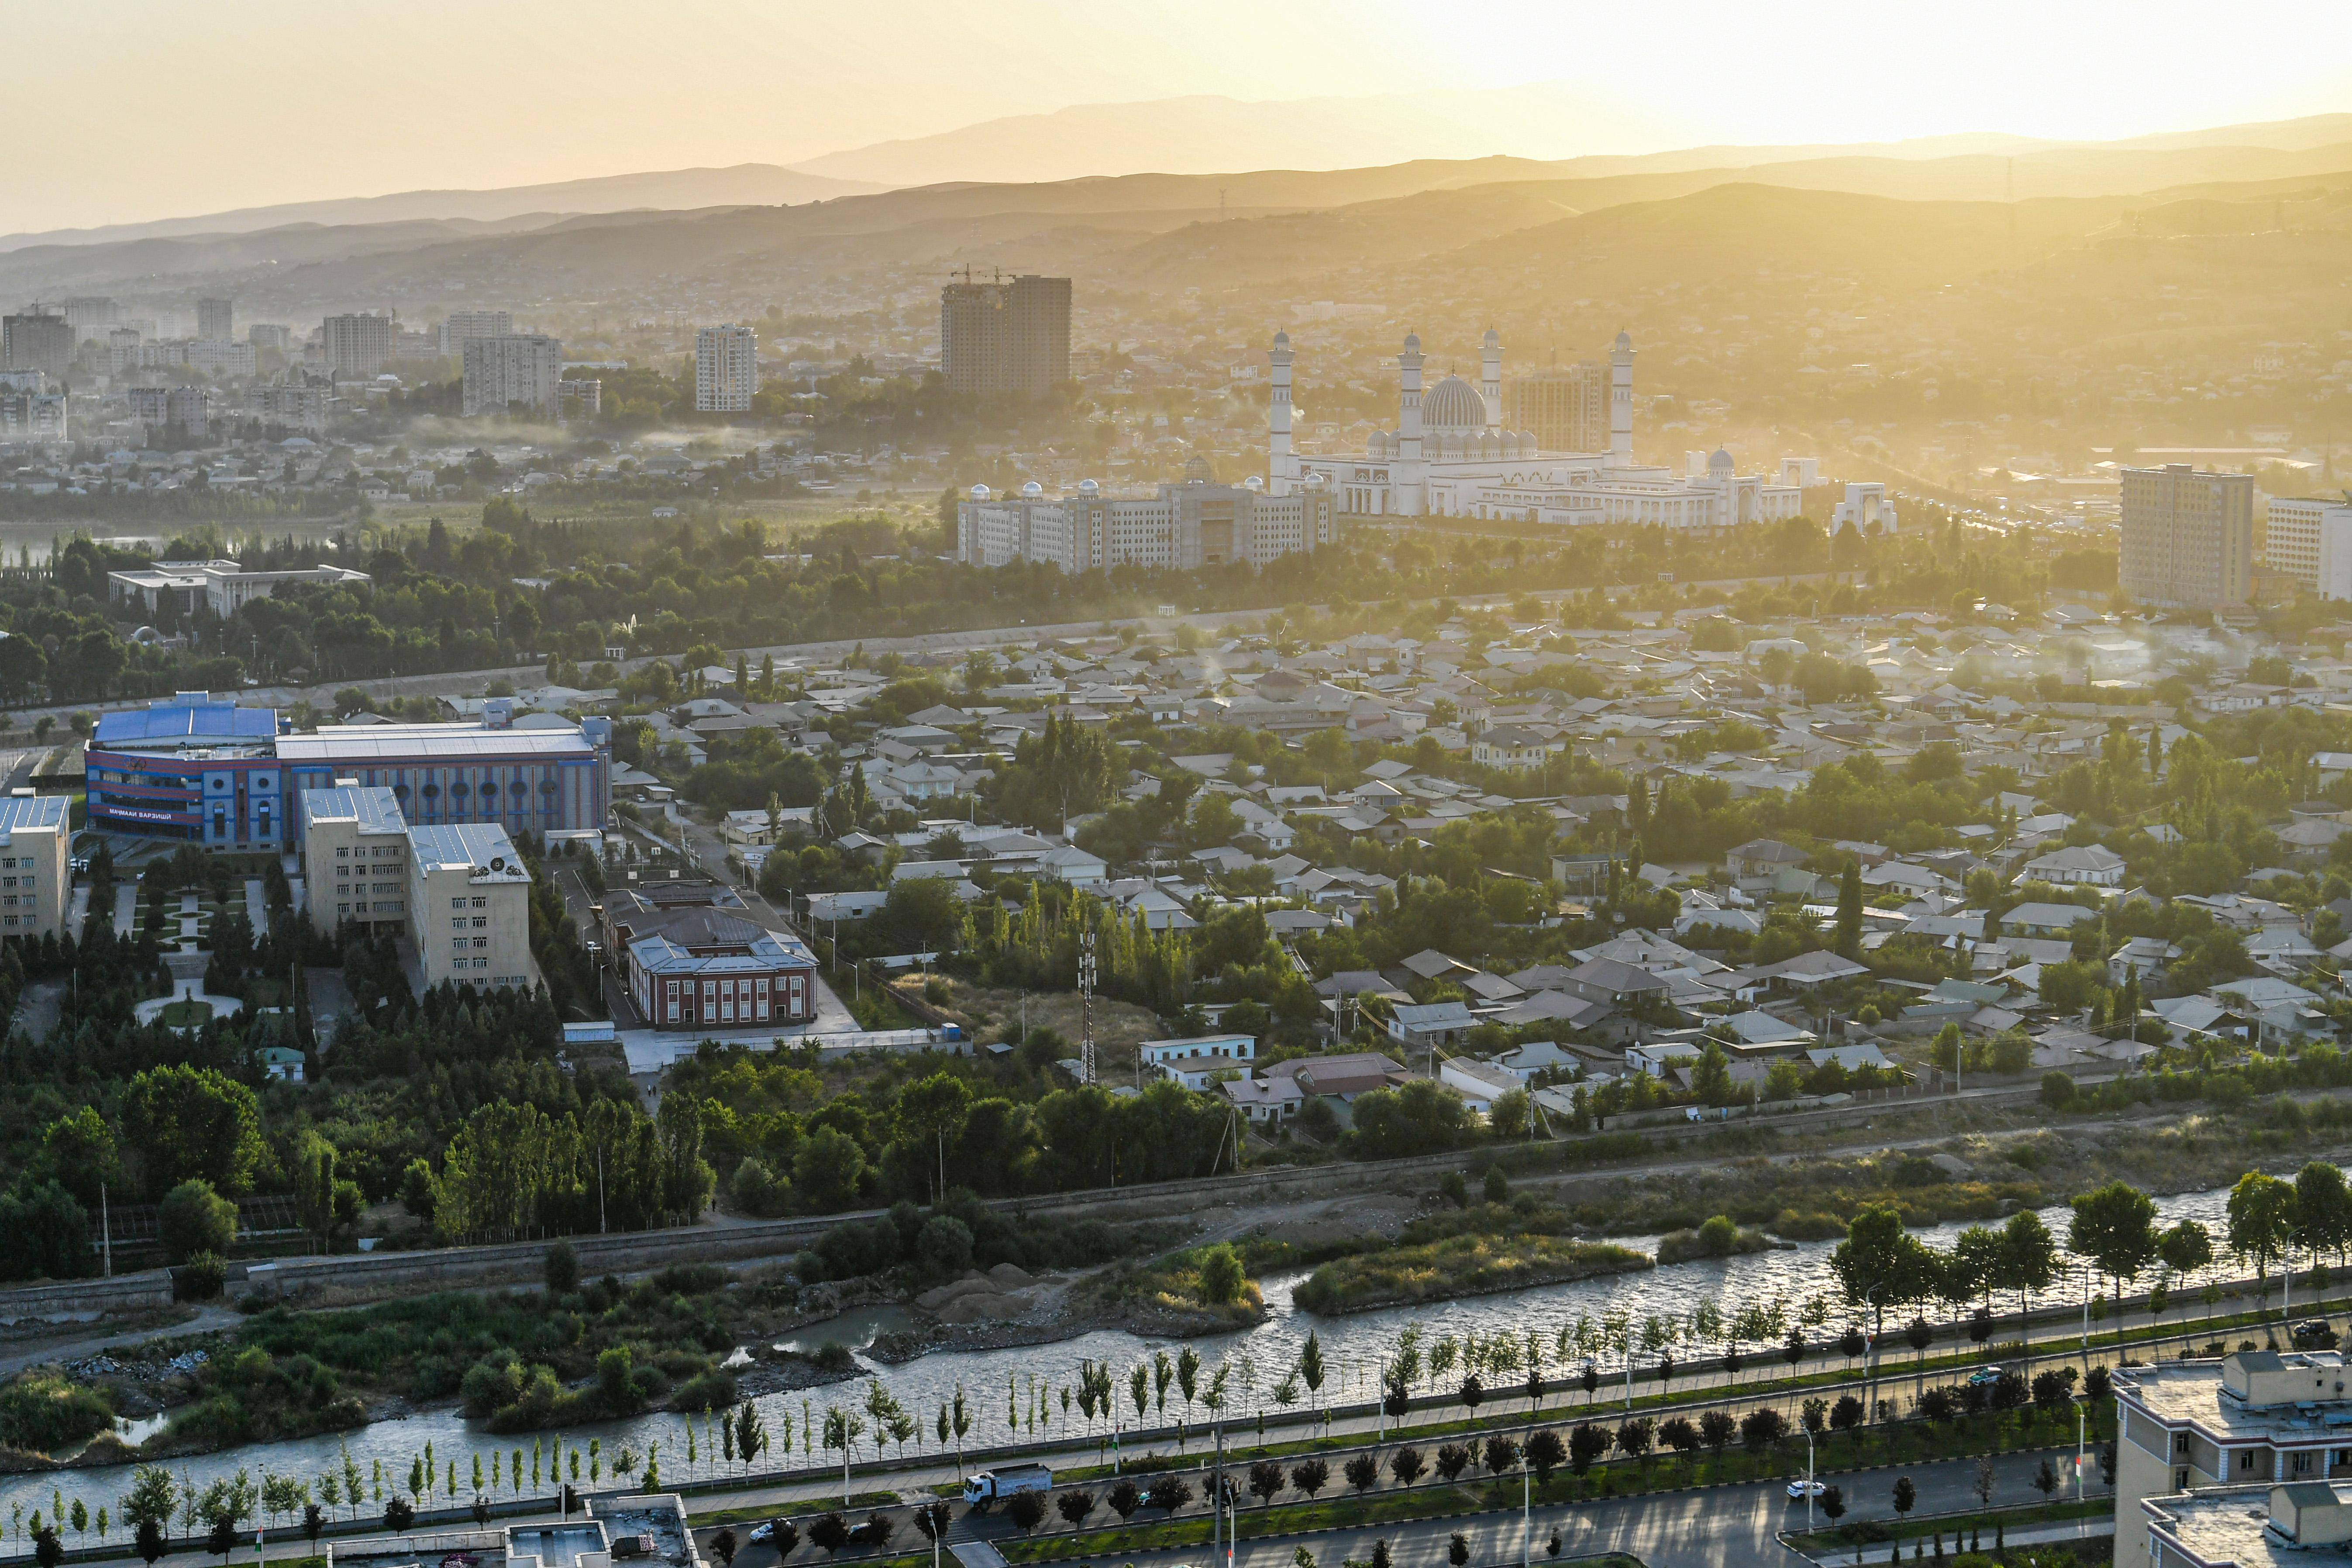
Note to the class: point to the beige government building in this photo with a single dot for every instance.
(35, 880)
(459, 893)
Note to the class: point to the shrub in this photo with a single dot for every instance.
(192, 1218)
(200, 1278)
(1221, 1275)
(712, 1390)
(561, 1270)
(759, 1190)
(944, 1245)
(2057, 1090)
(42, 1411)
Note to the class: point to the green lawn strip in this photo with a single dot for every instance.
(1877, 1447)
(186, 1013)
(1883, 1531)
(807, 1508)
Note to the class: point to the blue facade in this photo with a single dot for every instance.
(218, 775)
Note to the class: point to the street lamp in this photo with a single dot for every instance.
(1809, 1480)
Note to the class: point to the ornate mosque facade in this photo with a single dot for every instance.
(1450, 456)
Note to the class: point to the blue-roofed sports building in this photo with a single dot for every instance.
(211, 772)
(188, 768)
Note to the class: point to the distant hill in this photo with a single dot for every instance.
(744, 185)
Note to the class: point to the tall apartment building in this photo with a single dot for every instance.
(358, 345)
(2309, 539)
(216, 320)
(2187, 537)
(36, 339)
(1564, 407)
(90, 315)
(271, 335)
(462, 327)
(523, 368)
(726, 369)
(1007, 336)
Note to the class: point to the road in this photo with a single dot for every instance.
(1721, 1527)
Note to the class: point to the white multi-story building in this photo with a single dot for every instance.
(726, 369)
(2309, 539)
(523, 368)
(1196, 523)
(1867, 509)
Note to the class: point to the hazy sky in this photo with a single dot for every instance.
(128, 110)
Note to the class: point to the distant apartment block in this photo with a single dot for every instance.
(523, 368)
(462, 327)
(2187, 537)
(358, 345)
(37, 339)
(1007, 336)
(726, 369)
(1564, 407)
(215, 320)
(2309, 539)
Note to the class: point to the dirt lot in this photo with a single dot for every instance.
(989, 1013)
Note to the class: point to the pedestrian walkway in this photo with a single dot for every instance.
(976, 1554)
(256, 905)
(188, 990)
(126, 908)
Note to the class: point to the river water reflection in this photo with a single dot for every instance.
(1352, 1347)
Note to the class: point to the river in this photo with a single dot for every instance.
(1352, 1347)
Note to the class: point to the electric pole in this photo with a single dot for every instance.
(1087, 1006)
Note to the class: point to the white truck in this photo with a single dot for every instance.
(985, 1486)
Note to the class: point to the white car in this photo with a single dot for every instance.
(1802, 1489)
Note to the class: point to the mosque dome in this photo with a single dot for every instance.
(1493, 340)
(1720, 466)
(1453, 406)
(1281, 340)
(1197, 470)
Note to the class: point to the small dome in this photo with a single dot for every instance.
(1452, 406)
(1413, 343)
(979, 492)
(1197, 470)
(1720, 465)
(1493, 340)
(1625, 340)
(1252, 483)
(1089, 488)
(1315, 481)
(1281, 340)
(1033, 490)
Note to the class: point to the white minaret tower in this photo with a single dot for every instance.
(1407, 471)
(1621, 403)
(1490, 378)
(1281, 462)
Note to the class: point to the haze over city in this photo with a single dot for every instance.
(1318, 786)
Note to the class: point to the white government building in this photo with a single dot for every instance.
(1448, 457)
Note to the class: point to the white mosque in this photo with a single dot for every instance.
(1450, 456)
